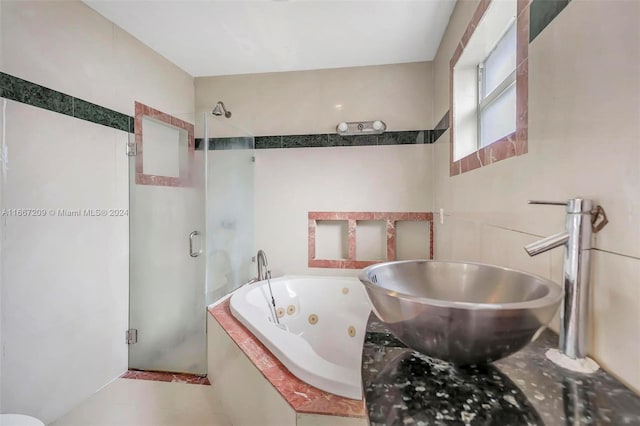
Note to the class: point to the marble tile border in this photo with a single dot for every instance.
(33, 94)
(301, 396)
(441, 127)
(352, 218)
(542, 12)
(321, 140)
(160, 376)
(517, 143)
(185, 178)
(26, 92)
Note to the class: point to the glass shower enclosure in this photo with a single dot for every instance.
(191, 236)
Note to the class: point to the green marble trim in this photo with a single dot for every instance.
(33, 94)
(541, 13)
(331, 140)
(409, 137)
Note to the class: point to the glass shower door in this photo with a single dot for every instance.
(167, 246)
(230, 206)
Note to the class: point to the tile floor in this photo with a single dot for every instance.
(126, 402)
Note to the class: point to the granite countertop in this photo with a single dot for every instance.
(404, 387)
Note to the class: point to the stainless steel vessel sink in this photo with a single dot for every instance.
(465, 313)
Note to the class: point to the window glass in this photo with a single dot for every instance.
(498, 119)
(501, 61)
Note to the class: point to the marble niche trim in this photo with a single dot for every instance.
(301, 396)
(26, 92)
(352, 218)
(159, 376)
(516, 143)
(185, 178)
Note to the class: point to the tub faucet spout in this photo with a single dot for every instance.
(265, 274)
(263, 266)
(576, 239)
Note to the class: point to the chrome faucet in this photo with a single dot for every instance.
(263, 266)
(582, 220)
(265, 274)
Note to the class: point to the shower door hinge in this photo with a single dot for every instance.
(132, 336)
(132, 146)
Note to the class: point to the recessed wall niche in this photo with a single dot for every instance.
(413, 236)
(371, 239)
(164, 148)
(375, 234)
(332, 239)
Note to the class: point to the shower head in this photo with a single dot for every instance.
(221, 110)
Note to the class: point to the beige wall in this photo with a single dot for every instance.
(304, 102)
(583, 141)
(291, 182)
(65, 280)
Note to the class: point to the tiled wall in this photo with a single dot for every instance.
(27, 92)
(581, 75)
(64, 289)
(292, 182)
(392, 172)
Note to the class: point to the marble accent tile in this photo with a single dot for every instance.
(435, 134)
(238, 142)
(399, 138)
(471, 162)
(306, 141)
(522, 108)
(301, 396)
(542, 13)
(413, 216)
(351, 235)
(159, 376)
(265, 142)
(33, 94)
(391, 240)
(185, 178)
(323, 140)
(231, 143)
(96, 114)
(312, 238)
(522, 35)
(475, 20)
(521, 5)
(359, 140)
(443, 124)
(20, 90)
(431, 240)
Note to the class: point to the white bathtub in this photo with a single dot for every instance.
(326, 354)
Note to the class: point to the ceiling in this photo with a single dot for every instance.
(207, 38)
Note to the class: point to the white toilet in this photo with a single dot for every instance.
(19, 420)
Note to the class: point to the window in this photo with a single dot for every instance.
(489, 86)
(497, 91)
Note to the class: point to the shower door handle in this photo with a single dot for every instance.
(191, 252)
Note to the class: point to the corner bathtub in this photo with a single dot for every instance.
(321, 332)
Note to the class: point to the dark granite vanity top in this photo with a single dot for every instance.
(403, 387)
